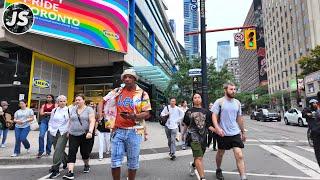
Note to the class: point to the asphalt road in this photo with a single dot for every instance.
(273, 151)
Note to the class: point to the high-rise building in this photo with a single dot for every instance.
(290, 32)
(223, 53)
(252, 62)
(173, 27)
(191, 24)
(232, 65)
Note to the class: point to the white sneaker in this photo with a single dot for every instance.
(3, 146)
(14, 155)
(100, 159)
(191, 169)
(28, 150)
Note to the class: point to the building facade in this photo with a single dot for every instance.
(253, 62)
(232, 65)
(288, 38)
(223, 53)
(312, 85)
(314, 21)
(191, 24)
(36, 65)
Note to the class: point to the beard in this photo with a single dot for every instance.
(232, 95)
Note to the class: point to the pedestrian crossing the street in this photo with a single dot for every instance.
(294, 154)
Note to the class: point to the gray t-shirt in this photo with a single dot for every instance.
(23, 115)
(76, 129)
(230, 110)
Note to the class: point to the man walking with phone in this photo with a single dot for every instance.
(229, 126)
(129, 106)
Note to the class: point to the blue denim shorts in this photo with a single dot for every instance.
(125, 141)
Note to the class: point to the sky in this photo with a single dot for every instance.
(219, 14)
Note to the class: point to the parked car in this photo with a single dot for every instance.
(253, 115)
(294, 116)
(267, 115)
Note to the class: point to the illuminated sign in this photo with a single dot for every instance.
(40, 83)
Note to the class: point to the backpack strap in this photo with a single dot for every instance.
(221, 102)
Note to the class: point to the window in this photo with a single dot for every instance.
(310, 88)
(142, 38)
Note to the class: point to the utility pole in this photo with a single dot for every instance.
(203, 54)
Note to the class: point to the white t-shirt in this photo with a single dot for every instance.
(175, 116)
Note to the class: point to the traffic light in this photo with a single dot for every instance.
(250, 39)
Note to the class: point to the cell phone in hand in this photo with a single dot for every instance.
(124, 113)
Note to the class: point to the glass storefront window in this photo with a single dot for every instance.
(93, 92)
(142, 38)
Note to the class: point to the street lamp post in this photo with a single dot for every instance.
(297, 82)
(203, 54)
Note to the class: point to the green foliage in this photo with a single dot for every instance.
(311, 63)
(180, 85)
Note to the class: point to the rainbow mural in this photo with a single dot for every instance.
(100, 23)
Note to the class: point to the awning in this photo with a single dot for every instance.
(154, 75)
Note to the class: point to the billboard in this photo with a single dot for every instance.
(99, 23)
(261, 51)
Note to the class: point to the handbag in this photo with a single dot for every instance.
(9, 122)
(34, 123)
(163, 119)
(102, 126)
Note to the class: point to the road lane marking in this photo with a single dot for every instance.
(255, 129)
(263, 175)
(299, 158)
(283, 137)
(307, 149)
(270, 140)
(304, 141)
(197, 174)
(106, 161)
(291, 161)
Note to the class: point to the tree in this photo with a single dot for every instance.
(310, 63)
(181, 84)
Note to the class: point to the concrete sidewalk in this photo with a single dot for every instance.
(156, 140)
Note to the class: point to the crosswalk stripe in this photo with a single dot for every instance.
(264, 175)
(307, 149)
(291, 161)
(270, 140)
(299, 158)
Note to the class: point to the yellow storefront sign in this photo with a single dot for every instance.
(40, 83)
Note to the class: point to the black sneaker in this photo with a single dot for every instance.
(219, 175)
(69, 175)
(173, 157)
(39, 155)
(54, 174)
(50, 170)
(86, 169)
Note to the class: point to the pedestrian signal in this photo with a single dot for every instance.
(250, 39)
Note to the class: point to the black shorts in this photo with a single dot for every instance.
(229, 142)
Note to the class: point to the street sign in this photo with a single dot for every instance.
(194, 72)
(238, 38)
